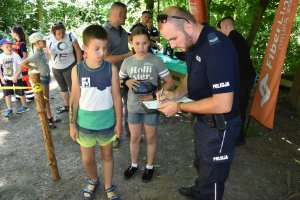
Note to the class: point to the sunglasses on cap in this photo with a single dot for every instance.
(56, 24)
(162, 18)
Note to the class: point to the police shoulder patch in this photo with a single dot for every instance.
(213, 39)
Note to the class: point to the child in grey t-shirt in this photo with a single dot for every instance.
(41, 64)
(142, 67)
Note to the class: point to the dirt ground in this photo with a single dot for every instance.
(266, 168)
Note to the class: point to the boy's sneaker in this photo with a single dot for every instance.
(22, 109)
(8, 113)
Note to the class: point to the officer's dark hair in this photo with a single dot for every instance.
(94, 31)
(181, 12)
(227, 18)
(219, 24)
(146, 12)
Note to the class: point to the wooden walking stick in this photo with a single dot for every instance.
(40, 104)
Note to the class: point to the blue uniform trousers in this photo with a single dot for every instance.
(214, 152)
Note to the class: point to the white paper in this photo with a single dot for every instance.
(154, 104)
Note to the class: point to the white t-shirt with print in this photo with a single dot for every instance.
(61, 51)
(10, 65)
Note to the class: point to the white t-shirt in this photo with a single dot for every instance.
(10, 65)
(61, 51)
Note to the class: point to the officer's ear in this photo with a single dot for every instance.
(188, 27)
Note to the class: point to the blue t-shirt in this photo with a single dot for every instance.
(212, 66)
(96, 109)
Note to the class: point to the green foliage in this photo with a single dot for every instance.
(243, 11)
(77, 14)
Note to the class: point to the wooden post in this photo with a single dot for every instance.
(40, 104)
(198, 10)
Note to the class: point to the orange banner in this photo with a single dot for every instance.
(265, 98)
(198, 10)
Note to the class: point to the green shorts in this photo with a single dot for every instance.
(90, 140)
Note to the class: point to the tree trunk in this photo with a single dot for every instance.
(257, 21)
(39, 13)
(149, 5)
(294, 94)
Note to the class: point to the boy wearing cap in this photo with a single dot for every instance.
(40, 63)
(11, 76)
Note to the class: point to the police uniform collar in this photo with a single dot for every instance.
(201, 37)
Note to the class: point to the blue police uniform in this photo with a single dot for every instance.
(212, 69)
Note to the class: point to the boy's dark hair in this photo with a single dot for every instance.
(94, 31)
(20, 31)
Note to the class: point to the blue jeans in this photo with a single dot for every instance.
(145, 118)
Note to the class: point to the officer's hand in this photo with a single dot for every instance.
(168, 108)
(165, 96)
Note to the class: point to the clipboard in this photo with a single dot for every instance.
(152, 105)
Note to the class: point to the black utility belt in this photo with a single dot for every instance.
(217, 120)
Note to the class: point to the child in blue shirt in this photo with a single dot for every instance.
(96, 109)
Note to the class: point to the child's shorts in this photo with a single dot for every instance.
(45, 80)
(91, 139)
(145, 118)
(19, 92)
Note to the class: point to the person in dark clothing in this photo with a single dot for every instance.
(153, 33)
(144, 20)
(212, 83)
(143, 23)
(247, 72)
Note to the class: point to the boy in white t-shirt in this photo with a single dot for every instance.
(10, 75)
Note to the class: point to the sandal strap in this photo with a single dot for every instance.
(86, 190)
(94, 183)
(111, 189)
(56, 119)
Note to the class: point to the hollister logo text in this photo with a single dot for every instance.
(221, 85)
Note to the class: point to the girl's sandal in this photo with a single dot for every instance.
(62, 109)
(113, 195)
(90, 192)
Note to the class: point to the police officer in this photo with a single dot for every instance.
(212, 82)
